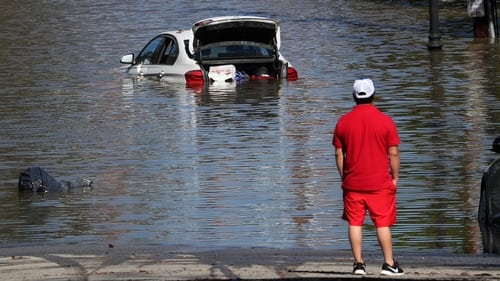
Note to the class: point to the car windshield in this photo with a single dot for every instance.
(236, 51)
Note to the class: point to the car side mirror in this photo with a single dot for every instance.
(127, 59)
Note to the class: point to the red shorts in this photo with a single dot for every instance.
(380, 204)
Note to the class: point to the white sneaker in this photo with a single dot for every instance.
(359, 268)
(394, 270)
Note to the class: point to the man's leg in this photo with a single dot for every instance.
(356, 240)
(384, 237)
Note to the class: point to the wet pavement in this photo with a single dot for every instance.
(110, 262)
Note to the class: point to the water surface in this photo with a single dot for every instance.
(248, 166)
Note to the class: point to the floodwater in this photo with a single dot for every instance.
(249, 166)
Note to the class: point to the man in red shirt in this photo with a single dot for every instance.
(367, 157)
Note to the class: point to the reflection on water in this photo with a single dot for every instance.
(247, 165)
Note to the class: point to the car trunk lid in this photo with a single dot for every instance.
(242, 28)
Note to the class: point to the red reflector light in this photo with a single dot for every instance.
(292, 74)
(194, 77)
(194, 80)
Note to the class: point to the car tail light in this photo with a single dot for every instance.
(291, 74)
(194, 78)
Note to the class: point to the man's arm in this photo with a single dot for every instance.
(394, 162)
(339, 159)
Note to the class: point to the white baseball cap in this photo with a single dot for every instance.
(363, 88)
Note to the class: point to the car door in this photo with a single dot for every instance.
(158, 57)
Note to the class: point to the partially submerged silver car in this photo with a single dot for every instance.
(220, 49)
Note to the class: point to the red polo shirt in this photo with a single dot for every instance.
(365, 135)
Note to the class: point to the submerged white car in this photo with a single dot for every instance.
(220, 49)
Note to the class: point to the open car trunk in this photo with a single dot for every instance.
(249, 44)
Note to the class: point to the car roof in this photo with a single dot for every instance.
(181, 34)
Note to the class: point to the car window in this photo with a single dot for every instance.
(151, 53)
(235, 51)
(170, 51)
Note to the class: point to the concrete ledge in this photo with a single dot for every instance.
(107, 262)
